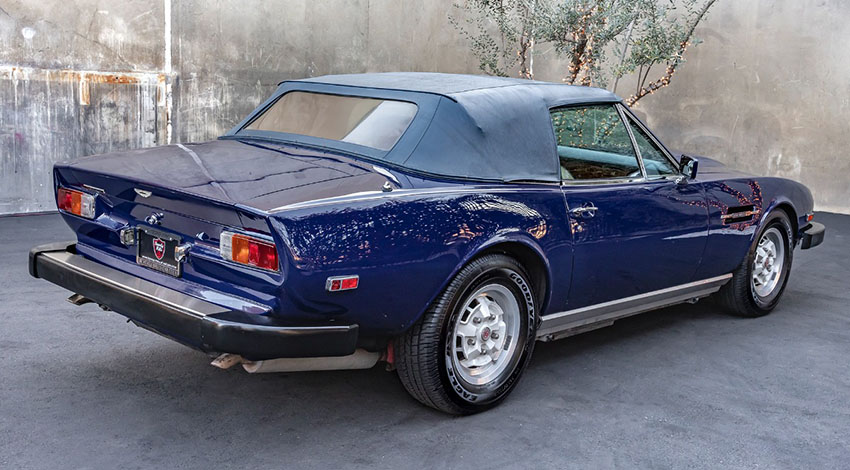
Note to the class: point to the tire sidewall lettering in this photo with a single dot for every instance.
(785, 229)
(525, 298)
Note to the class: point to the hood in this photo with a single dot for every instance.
(263, 175)
(710, 168)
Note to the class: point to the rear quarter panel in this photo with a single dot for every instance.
(407, 245)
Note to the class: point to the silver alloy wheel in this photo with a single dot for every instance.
(768, 263)
(485, 334)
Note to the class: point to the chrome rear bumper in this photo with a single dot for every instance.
(183, 318)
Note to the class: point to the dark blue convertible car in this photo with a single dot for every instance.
(440, 223)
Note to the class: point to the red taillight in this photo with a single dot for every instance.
(248, 250)
(65, 200)
(75, 202)
(338, 283)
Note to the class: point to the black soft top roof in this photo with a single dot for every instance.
(449, 84)
(479, 127)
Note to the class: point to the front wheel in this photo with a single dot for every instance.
(468, 351)
(760, 280)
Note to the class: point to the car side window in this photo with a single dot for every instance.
(593, 143)
(654, 161)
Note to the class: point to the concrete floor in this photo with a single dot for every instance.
(682, 387)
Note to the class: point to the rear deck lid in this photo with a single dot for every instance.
(258, 175)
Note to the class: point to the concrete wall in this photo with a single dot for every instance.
(228, 58)
(767, 91)
(75, 78)
(79, 77)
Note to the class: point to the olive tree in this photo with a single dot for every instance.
(501, 33)
(600, 40)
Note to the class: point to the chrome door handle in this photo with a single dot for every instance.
(588, 210)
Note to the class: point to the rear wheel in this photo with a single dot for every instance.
(468, 351)
(759, 281)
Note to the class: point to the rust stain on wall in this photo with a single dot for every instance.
(65, 75)
(55, 115)
(116, 79)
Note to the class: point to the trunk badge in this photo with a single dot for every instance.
(142, 192)
(158, 248)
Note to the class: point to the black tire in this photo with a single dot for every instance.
(423, 360)
(739, 296)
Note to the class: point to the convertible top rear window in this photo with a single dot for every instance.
(371, 122)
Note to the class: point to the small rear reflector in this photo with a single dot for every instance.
(810, 217)
(75, 202)
(338, 283)
(248, 250)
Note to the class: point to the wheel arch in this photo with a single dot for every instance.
(789, 196)
(788, 208)
(529, 255)
(519, 246)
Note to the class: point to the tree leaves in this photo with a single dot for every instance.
(600, 40)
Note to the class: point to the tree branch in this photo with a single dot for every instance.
(527, 40)
(623, 55)
(671, 67)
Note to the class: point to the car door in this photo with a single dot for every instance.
(636, 226)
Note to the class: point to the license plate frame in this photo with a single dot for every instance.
(146, 253)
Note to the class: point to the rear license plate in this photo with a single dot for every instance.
(156, 251)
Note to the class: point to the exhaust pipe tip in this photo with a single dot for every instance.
(78, 300)
(226, 361)
(360, 359)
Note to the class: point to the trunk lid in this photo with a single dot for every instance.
(261, 176)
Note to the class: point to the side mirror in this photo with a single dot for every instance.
(690, 166)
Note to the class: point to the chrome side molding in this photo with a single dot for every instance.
(572, 322)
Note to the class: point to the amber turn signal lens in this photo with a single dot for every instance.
(75, 202)
(248, 250)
